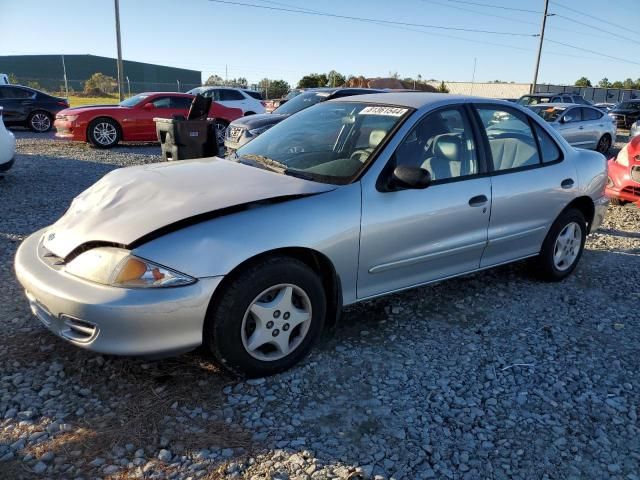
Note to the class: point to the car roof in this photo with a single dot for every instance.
(411, 99)
(539, 95)
(148, 94)
(558, 105)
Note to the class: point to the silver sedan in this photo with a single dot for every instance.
(348, 200)
(582, 126)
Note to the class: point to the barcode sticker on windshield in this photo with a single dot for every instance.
(387, 111)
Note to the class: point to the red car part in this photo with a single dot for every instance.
(623, 182)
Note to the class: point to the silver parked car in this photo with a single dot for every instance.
(345, 201)
(582, 126)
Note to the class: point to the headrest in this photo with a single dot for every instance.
(376, 137)
(448, 146)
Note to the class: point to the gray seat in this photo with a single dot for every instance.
(447, 159)
(512, 152)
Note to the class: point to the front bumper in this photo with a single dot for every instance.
(620, 184)
(69, 130)
(236, 138)
(600, 210)
(110, 320)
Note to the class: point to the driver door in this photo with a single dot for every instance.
(410, 237)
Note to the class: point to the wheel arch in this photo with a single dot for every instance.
(314, 259)
(586, 206)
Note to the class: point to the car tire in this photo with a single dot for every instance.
(250, 328)
(604, 144)
(39, 121)
(562, 247)
(104, 133)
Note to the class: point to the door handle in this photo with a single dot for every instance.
(580, 128)
(567, 183)
(478, 201)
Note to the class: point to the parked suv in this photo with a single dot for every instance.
(249, 101)
(30, 108)
(537, 98)
(243, 130)
(625, 113)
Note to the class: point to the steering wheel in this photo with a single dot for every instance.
(357, 155)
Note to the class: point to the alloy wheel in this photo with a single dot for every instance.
(221, 130)
(567, 246)
(40, 122)
(105, 133)
(604, 144)
(276, 322)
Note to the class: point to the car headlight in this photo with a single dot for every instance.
(259, 130)
(118, 268)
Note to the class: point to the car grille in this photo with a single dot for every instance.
(635, 173)
(631, 191)
(234, 133)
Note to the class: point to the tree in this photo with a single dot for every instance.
(335, 79)
(214, 80)
(628, 83)
(442, 88)
(274, 88)
(238, 82)
(604, 83)
(583, 82)
(617, 84)
(99, 83)
(13, 80)
(313, 80)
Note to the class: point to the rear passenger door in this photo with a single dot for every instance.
(530, 182)
(593, 126)
(571, 127)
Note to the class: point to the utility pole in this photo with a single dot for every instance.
(64, 72)
(544, 23)
(120, 69)
(226, 74)
(473, 76)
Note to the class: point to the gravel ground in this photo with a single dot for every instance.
(490, 376)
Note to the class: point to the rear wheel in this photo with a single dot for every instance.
(39, 121)
(221, 131)
(562, 247)
(267, 319)
(604, 144)
(103, 133)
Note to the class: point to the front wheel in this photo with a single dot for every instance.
(267, 319)
(562, 247)
(221, 130)
(103, 133)
(604, 144)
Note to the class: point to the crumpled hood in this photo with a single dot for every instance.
(129, 203)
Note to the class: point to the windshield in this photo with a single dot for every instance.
(302, 101)
(133, 101)
(531, 100)
(329, 143)
(292, 94)
(550, 114)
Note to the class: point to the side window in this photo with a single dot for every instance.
(511, 140)
(548, 147)
(442, 143)
(181, 103)
(229, 95)
(14, 92)
(581, 101)
(591, 114)
(214, 94)
(162, 102)
(573, 115)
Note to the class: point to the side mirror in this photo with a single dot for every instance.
(566, 119)
(149, 106)
(407, 177)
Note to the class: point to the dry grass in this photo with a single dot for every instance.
(75, 101)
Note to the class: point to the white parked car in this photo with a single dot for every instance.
(249, 101)
(7, 147)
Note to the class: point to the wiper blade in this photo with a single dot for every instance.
(266, 161)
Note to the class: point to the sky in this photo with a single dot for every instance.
(256, 42)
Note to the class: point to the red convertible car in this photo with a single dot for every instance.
(132, 119)
(623, 184)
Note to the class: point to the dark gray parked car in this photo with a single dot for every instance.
(26, 107)
(245, 129)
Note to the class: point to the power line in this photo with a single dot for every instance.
(501, 7)
(593, 51)
(573, 20)
(364, 19)
(479, 12)
(593, 17)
